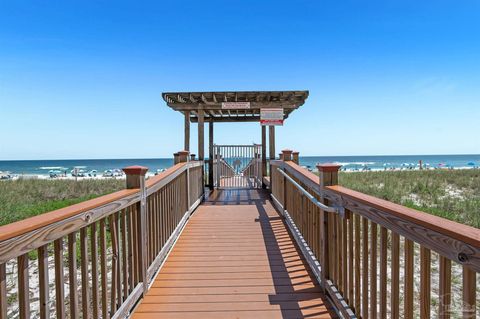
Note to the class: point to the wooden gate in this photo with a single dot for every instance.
(237, 166)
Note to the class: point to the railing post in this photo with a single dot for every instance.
(136, 179)
(295, 156)
(176, 158)
(328, 176)
(280, 156)
(192, 157)
(183, 157)
(287, 155)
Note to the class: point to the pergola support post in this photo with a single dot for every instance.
(271, 141)
(201, 145)
(186, 143)
(210, 154)
(264, 153)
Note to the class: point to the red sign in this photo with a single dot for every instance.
(271, 117)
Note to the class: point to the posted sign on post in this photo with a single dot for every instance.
(271, 117)
(235, 105)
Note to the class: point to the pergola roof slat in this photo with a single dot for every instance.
(211, 103)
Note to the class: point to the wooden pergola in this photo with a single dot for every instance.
(246, 106)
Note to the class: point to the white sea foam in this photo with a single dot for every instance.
(355, 163)
(52, 167)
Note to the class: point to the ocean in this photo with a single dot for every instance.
(42, 167)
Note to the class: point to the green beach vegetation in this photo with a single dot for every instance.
(451, 194)
(20, 199)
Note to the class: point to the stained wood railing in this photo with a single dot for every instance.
(379, 259)
(95, 259)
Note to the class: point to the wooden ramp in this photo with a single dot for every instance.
(235, 259)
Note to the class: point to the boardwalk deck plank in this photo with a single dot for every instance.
(235, 259)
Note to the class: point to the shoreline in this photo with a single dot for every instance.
(151, 174)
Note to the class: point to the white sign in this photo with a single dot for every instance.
(235, 105)
(271, 116)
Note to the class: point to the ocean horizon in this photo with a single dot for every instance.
(374, 162)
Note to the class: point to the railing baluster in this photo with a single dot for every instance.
(84, 271)
(395, 273)
(119, 259)
(383, 271)
(23, 287)
(135, 265)
(43, 282)
(351, 284)
(114, 272)
(358, 283)
(94, 258)
(123, 227)
(72, 274)
(408, 280)
(469, 292)
(425, 263)
(373, 271)
(59, 279)
(339, 235)
(345, 256)
(3, 291)
(129, 239)
(364, 268)
(445, 277)
(103, 268)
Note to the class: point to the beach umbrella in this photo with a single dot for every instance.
(471, 164)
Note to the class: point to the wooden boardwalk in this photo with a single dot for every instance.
(235, 259)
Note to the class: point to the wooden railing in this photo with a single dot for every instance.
(96, 259)
(379, 259)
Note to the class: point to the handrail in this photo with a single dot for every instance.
(465, 233)
(334, 209)
(35, 222)
(119, 241)
(24, 226)
(350, 255)
(450, 228)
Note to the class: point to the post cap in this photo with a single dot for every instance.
(295, 153)
(328, 167)
(135, 170)
(287, 151)
(183, 153)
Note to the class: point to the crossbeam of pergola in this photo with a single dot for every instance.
(201, 107)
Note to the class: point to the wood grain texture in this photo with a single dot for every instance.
(3, 292)
(72, 274)
(445, 287)
(33, 239)
(209, 274)
(469, 293)
(23, 287)
(383, 271)
(425, 282)
(462, 248)
(395, 274)
(59, 279)
(408, 280)
(28, 225)
(43, 282)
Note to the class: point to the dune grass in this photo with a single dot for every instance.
(452, 194)
(21, 199)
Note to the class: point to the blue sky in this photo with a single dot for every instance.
(82, 79)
